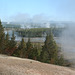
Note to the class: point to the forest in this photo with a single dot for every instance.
(48, 53)
(39, 32)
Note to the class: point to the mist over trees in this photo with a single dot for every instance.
(39, 32)
(49, 52)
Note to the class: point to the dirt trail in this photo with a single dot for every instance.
(18, 66)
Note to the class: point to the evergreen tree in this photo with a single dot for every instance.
(2, 38)
(60, 61)
(7, 43)
(49, 52)
(22, 49)
(29, 48)
(12, 46)
(33, 54)
(7, 37)
(12, 41)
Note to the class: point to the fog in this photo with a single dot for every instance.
(67, 41)
(20, 17)
(25, 17)
(40, 18)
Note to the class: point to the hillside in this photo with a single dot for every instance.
(18, 66)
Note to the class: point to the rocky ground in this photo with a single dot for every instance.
(18, 66)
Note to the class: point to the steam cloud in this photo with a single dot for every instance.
(40, 18)
(23, 17)
(67, 41)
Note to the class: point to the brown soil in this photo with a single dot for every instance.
(18, 66)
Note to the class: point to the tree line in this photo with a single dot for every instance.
(49, 53)
(39, 32)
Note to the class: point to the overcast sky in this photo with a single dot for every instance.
(59, 10)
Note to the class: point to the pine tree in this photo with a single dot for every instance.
(33, 54)
(12, 41)
(12, 46)
(7, 37)
(22, 49)
(60, 61)
(2, 38)
(49, 52)
(7, 43)
(29, 48)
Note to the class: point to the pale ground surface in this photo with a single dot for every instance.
(18, 66)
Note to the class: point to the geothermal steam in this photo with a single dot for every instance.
(67, 41)
(24, 17)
